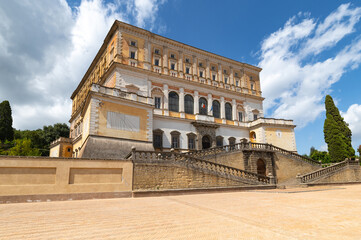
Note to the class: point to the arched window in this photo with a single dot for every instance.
(216, 109)
(203, 106)
(188, 104)
(228, 108)
(173, 99)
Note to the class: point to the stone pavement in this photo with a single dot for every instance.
(328, 212)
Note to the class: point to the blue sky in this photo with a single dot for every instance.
(307, 49)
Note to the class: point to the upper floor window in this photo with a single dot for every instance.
(255, 116)
(237, 83)
(200, 64)
(226, 80)
(240, 116)
(187, 60)
(228, 108)
(191, 141)
(188, 104)
(201, 73)
(132, 55)
(214, 77)
(216, 109)
(236, 74)
(213, 68)
(187, 70)
(172, 56)
(157, 138)
(225, 71)
(156, 51)
(252, 86)
(251, 78)
(133, 43)
(172, 66)
(157, 102)
(173, 99)
(202, 106)
(156, 62)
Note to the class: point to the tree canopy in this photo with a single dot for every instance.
(337, 133)
(6, 122)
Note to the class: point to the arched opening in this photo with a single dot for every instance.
(206, 142)
(203, 106)
(252, 137)
(188, 104)
(261, 167)
(173, 99)
(228, 108)
(216, 109)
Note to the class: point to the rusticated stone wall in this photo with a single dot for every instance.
(161, 176)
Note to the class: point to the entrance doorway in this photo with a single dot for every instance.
(206, 142)
(261, 167)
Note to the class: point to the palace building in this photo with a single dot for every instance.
(147, 91)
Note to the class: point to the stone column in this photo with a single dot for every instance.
(194, 70)
(165, 97)
(165, 59)
(209, 105)
(181, 100)
(234, 110)
(231, 79)
(208, 74)
(180, 64)
(223, 115)
(147, 55)
(196, 104)
(219, 73)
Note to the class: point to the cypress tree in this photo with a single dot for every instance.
(6, 122)
(337, 133)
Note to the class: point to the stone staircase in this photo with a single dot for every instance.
(191, 161)
(249, 146)
(327, 171)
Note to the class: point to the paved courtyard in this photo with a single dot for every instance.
(330, 212)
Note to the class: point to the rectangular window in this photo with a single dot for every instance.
(132, 55)
(236, 74)
(157, 102)
(201, 73)
(225, 71)
(133, 43)
(252, 86)
(172, 66)
(213, 68)
(255, 116)
(187, 60)
(201, 64)
(240, 116)
(191, 144)
(175, 141)
(187, 70)
(157, 140)
(214, 77)
(237, 83)
(156, 51)
(225, 80)
(172, 56)
(156, 62)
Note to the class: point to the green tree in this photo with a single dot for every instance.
(322, 156)
(51, 133)
(23, 148)
(337, 133)
(359, 150)
(6, 122)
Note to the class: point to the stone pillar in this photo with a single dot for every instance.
(149, 88)
(180, 64)
(219, 73)
(234, 110)
(165, 97)
(209, 112)
(196, 104)
(165, 59)
(147, 55)
(181, 100)
(208, 74)
(194, 70)
(223, 112)
(231, 79)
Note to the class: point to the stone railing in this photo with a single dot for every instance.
(249, 146)
(312, 176)
(192, 162)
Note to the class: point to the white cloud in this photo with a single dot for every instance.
(353, 117)
(43, 60)
(296, 76)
